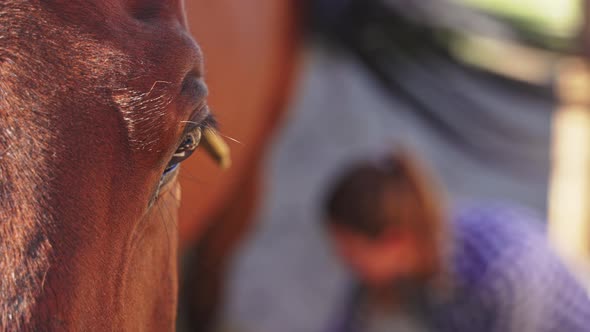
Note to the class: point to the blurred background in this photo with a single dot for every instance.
(493, 95)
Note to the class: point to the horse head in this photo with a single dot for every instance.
(100, 100)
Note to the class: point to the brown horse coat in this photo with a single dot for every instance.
(94, 96)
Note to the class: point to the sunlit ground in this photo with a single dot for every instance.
(569, 211)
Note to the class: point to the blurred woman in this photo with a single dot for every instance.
(477, 267)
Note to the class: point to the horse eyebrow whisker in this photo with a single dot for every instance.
(154, 86)
(235, 140)
(231, 139)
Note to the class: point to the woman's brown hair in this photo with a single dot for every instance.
(363, 197)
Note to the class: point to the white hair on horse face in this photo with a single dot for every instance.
(143, 112)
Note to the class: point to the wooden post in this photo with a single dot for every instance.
(569, 196)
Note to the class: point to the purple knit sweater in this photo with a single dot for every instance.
(506, 278)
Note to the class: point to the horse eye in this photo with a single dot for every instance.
(186, 148)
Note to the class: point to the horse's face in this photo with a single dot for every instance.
(96, 97)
